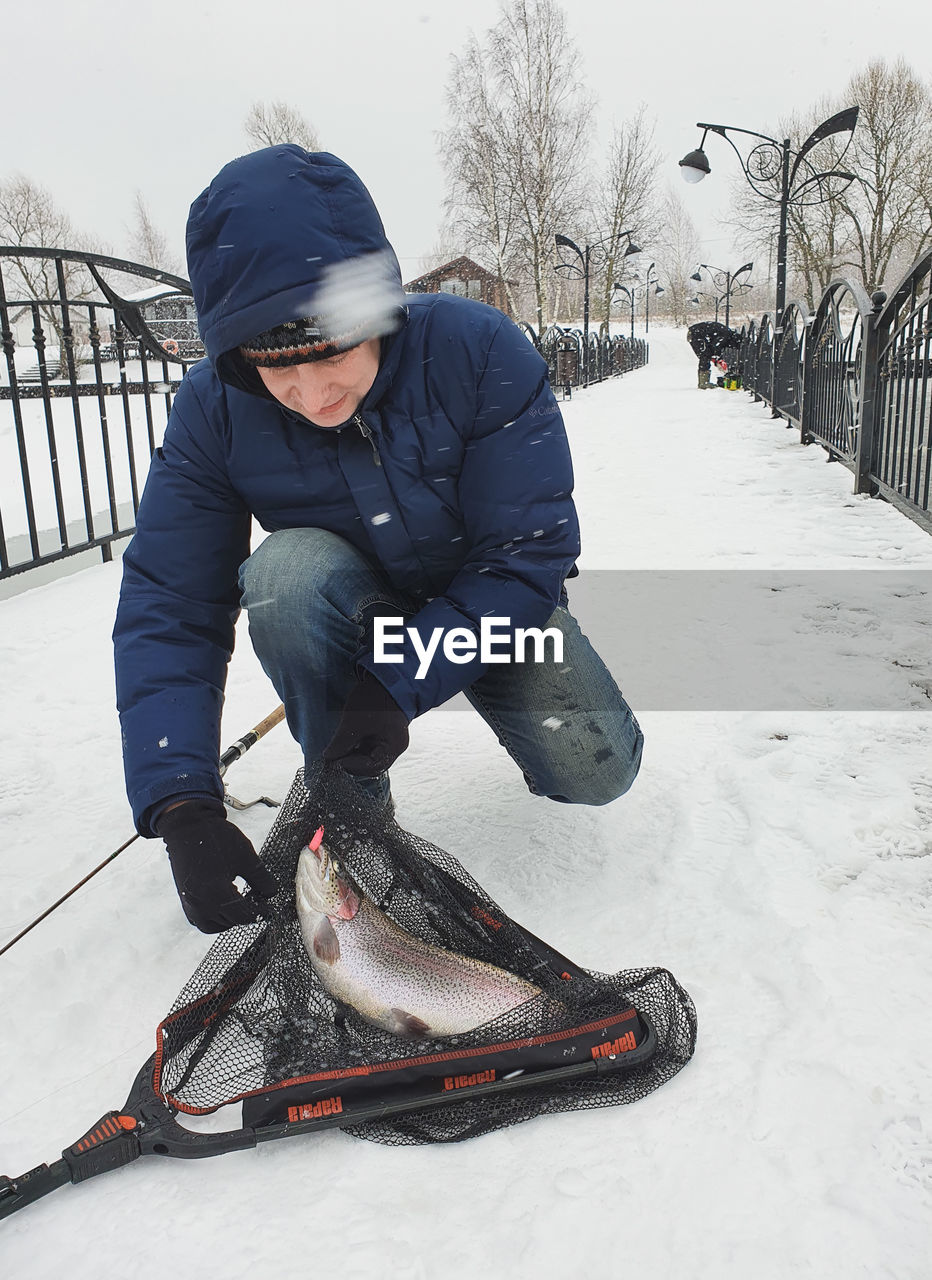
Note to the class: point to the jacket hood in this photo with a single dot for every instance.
(281, 234)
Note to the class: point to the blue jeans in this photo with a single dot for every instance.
(311, 598)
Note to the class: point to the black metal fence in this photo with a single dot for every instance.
(90, 362)
(573, 362)
(856, 377)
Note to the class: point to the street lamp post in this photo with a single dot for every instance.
(694, 300)
(771, 162)
(658, 289)
(725, 281)
(629, 294)
(593, 254)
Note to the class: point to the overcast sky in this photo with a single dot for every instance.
(101, 99)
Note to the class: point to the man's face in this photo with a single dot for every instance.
(326, 392)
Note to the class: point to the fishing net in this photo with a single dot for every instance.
(255, 1022)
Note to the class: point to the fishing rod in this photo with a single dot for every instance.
(242, 745)
(232, 754)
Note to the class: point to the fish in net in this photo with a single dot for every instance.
(480, 1023)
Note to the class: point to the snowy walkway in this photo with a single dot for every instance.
(777, 861)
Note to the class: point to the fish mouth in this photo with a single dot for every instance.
(332, 876)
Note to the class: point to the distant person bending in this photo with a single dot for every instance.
(709, 339)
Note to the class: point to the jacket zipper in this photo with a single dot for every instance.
(367, 435)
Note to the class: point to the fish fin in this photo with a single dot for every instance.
(326, 942)
(408, 1024)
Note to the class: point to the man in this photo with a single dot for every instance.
(709, 339)
(407, 458)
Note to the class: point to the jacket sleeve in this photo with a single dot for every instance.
(174, 629)
(515, 493)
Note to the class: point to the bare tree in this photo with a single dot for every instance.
(677, 253)
(539, 70)
(278, 122)
(30, 217)
(892, 149)
(872, 225)
(517, 140)
(625, 196)
(481, 204)
(148, 244)
(445, 249)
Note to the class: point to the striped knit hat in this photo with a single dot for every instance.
(296, 342)
(356, 299)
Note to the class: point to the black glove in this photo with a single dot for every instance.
(206, 854)
(372, 733)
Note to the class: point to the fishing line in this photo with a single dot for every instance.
(77, 1080)
(233, 753)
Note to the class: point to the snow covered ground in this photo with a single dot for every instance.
(776, 860)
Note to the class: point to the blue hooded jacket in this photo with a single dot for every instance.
(454, 475)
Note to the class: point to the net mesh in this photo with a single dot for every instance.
(254, 1016)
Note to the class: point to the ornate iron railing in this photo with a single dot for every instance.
(834, 371)
(562, 349)
(902, 431)
(592, 354)
(764, 361)
(89, 366)
(567, 356)
(746, 359)
(856, 377)
(788, 358)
